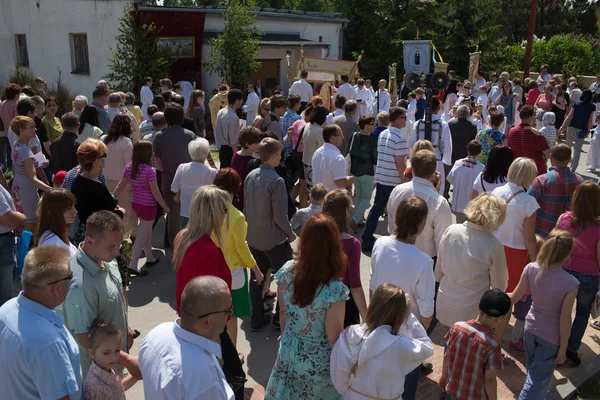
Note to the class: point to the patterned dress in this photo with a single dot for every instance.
(25, 193)
(301, 371)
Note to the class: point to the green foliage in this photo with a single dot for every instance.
(24, 77)
(136, 54)
(233, 52)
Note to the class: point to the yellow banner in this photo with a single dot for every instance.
(474, 66)
(332, 68)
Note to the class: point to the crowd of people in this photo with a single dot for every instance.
(92, 185)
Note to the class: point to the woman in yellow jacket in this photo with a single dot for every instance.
(236, 251)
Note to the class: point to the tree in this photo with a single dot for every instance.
(137, 54)
(233, 52)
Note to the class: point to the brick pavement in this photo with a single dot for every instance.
(152, 301)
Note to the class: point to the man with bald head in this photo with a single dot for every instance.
(554, 190)
(180, 360)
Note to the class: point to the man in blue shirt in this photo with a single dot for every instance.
(100, 97)
(39, 357)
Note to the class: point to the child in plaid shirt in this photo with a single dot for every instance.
(473, 353)
(317, 196)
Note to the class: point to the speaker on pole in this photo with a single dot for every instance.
(412, 81)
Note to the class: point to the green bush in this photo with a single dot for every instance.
(24, 77)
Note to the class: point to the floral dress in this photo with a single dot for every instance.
(489, 139)
(25, 193)
(301, 371)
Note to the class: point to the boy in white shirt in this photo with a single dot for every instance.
(412, 107)
(462, 176)
(484, 100)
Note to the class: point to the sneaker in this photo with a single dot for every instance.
(256, 326)
(590, 169)
(573, 357)
(518, 346)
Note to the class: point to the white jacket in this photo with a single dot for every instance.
(384, 359)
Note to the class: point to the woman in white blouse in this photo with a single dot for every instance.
(57, 213)
(312, 139)
(517, 233)
(470, 261)
(494, 175)
(120, 150)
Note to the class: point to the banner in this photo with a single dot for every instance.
(474, 67)
(417, 56)
(322, 69)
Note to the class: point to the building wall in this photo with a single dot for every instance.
(48, 27)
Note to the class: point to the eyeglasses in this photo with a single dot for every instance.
(68, 278)
(229, 311)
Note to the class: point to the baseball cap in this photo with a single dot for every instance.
(495, 303)
(59, 178)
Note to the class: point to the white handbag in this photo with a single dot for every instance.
(348, 157)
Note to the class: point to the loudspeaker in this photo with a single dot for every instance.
(440, 80)
(412, 81)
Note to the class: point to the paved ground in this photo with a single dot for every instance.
(152, 301)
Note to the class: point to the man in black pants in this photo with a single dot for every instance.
(227, 127)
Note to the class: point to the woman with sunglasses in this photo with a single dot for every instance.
(91, 195)
(197, 252)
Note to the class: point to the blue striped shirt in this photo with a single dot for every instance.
(70, 177)
(390, 145)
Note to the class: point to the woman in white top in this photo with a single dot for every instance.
(371, 360)
(88, 124)
(119, 153)
(517, 233)
(495, 172)
(470, 261)
(312, 139)
(57, 213)
(190, 176)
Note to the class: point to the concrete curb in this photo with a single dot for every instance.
(568, 390)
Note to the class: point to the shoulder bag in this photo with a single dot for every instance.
(290, 160)
(348, 157)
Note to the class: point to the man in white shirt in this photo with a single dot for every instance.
(251, 106)
(302, 89)
(146, 96)
(392, 150)
(328, 164)
(439, 216)
(227, 127)
(180, 360)
(543, 78)
(595, 87)
(339, 103)
(364, 98)
(440, 139)
(382, 100)
(345, 89)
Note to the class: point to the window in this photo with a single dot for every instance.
(21, 50)
(80, 62)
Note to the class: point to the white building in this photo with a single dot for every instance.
(75, 38)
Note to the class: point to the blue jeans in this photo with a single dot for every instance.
(364, 191)
(411, 383)
(588, 286)
(382, 195)
(540, 367)
(7, 267)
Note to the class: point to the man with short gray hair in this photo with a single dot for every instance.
(64, 149)
(79, 103)
(462, 132)
(348, 123)
(180, 359)
(39, 357)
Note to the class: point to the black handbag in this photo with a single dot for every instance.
(290, 161)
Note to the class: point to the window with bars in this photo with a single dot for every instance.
(21, 50)
(80, 62)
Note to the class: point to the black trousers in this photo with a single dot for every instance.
(232, 366)
(225, 156)
(270, 259)
(447, 169)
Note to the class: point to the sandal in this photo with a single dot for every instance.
(595, 324)
(242, 358)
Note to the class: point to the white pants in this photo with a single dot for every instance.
(439, 167)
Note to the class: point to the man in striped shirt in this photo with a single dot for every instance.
(392, 150)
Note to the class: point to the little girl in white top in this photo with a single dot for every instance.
(371, 360)
(593, 157)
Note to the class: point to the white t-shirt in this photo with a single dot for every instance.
(345, 90)
(302, 89)
(462, 175)
(336, 113)
(328, 165)
(407, 267)
(189, 177)
(50, 239)
(486, 187)
(512, 232)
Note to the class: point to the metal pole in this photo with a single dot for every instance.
(529, 48)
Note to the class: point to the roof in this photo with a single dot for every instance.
(260, 12)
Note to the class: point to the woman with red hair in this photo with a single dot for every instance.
(313, 300)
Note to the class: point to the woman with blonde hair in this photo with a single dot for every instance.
(197, 252)
(26, 183)
(470, 260)
(548, 322)
(390, 339)
(584, 262)
(517, 233)
(263, 119)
